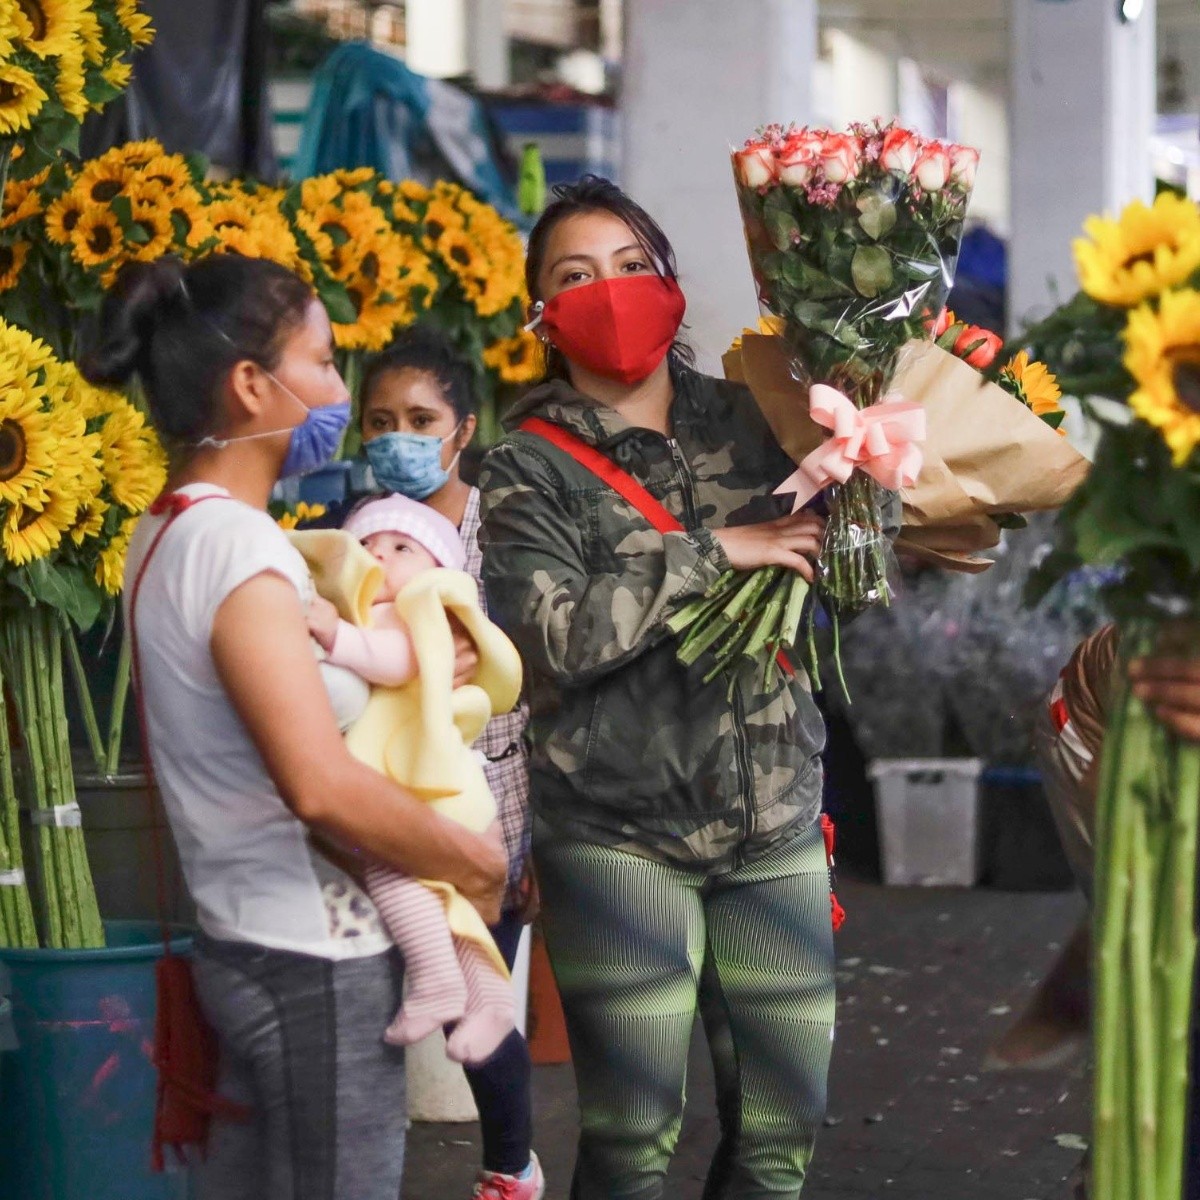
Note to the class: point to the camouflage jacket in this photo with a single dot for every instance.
(629, 748)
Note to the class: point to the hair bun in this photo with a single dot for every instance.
(128, 319)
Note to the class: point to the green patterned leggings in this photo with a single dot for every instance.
(637, 947)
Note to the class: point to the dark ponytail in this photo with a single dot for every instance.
(181, 329)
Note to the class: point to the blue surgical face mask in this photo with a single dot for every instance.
(311, 444)
(410, 463)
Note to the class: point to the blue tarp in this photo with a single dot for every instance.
(369, 110)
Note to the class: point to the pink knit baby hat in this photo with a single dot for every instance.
(399, 514)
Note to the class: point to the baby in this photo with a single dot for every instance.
(453, 974)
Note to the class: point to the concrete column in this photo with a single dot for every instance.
(488, 44)
(1082, 95)
(698, 79)
(436, 36)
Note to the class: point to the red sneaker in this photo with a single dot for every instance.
(493, 1186)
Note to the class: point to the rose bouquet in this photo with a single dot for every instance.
(1133, 334)
(853, 238)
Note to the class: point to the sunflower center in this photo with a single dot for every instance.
(8, 92)
(106, 190)
(71, 219)
(12, 450)
(1185, 374)
(461, 255)
(370, 265)
(37, 18)
(7, 259)
(435, 229)
(100, 240)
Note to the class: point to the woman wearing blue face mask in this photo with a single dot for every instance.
(417, 417)
(234, 356)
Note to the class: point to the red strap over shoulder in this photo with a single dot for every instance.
(602, 466)
(621, 482)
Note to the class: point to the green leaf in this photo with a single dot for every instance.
(783, 228)
(877, 214)
(122, 208)
(337, 303)
(70, 589)
(871, 270)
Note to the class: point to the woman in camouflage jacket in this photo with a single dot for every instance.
(676, 832)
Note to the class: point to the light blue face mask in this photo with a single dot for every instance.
(410, 463)
(311, 444)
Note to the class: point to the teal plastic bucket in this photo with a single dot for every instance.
(78, 1091)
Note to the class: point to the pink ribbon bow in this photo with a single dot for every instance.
(880, 440)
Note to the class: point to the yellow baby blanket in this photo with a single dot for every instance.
(420, 734)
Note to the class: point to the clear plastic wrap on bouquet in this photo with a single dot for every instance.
(853, 239)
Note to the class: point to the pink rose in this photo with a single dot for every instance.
(901, 149)
(798, 158)
(964, 160)
(755, 163)
(840, 155)
(932, 168)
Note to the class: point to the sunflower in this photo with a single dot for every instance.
(96, 238)
(33, 529)
(347, 180)
(410, 189)
(71, 84)
(53, 25)
(152, 222)
(22, 200)
(318, 191)
(104, 179)
(517, 359)
(1034, 385)
(21, 99)
(135, 154)
(137, 24)
(1143, 252)
(28, 445)
(1162, 353)
(12, 260)
(302, 512)
(110, 568)
(441, 218)
(62, 216)
(231, 213)
(89, 520)
(118, 74)
(131, 458)
(91, 37)
(169, 170)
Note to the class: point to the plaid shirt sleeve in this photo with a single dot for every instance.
(503, 740)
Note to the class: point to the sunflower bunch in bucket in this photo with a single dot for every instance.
(1133, 333)
(77, 467)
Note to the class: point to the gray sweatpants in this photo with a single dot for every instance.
(300, 1042)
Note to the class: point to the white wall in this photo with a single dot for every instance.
(980, 118)
(698, 79)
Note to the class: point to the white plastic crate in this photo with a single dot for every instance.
(927, 811)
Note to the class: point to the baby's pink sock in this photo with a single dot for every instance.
(490, 1016)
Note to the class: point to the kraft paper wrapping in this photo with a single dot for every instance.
(985, 454)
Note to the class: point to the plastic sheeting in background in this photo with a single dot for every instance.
(369, 110)
(201, 86)
(963, 656)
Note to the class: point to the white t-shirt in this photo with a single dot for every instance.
(246, 858)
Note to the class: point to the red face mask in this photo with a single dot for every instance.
(618, 328)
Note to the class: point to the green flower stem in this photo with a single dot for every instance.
(793, 613)
(1141, 1011)
(1180, 951)
(16, 907)
(116, 716)
(84, 693)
